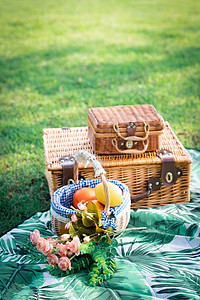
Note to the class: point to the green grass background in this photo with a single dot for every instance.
(59, 58)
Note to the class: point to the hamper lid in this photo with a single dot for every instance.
(59, 142)
(103, 118)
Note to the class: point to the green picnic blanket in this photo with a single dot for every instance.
(160, 262)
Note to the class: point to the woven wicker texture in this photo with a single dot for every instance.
(103, 145)
(108, 123)
(132, 169)
(103, 118)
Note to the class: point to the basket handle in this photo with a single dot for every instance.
(86, 158)
(133, 138)
(145, 146)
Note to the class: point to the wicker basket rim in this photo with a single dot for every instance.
(55, 198)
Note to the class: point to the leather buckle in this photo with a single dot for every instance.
(67, 163)
(123, 144)
(169, 173)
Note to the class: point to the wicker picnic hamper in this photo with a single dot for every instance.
(124, 129)
(135, 170)
(61, 200)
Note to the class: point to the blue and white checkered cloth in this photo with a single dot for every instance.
(61, 200)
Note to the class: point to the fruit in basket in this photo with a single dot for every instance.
(99, 205)
(83, 195)
(115, 194)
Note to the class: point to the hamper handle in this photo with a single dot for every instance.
(145, 146)
(107, 195)
(141, 196)
(153, 184)
(133, 138)
(86, 158)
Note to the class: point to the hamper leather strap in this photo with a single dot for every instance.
(169, 175)
(133, 151)
(130, 141)
(68, 164)
(153, 184)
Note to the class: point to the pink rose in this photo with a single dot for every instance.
(52, 259)
(34, 236)
(86, 239)
(52, 242)
(44, 246)
(67, 245)
(65, 237)
(48, 249)
(69, 253)
(64, 263)
(74, 245)
(67, 226)
(81, 206)
(74, 218)
(41, 244)
(61, 249)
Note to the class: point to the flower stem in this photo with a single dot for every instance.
(72, 257)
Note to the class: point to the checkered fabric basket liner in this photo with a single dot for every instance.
(61, 201)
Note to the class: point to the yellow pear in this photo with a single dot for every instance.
(115, 194)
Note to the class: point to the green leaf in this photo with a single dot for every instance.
(14, 277)
(100, 230)
(84, 230)
(63, 230)
(87, 220)
(191, 230)
(114, 242)
(109, 239)
(7, 245)
(72, 231)
(92, 208)
(98, 237)
(87, 248)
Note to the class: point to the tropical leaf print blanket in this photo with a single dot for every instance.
(160, 262)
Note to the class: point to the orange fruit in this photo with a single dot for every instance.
(83, 195)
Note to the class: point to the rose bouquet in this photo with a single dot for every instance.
(83, 243)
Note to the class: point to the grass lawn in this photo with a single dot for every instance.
(58, 58)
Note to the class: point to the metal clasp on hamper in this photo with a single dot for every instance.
(169, 175)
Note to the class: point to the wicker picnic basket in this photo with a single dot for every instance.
(124, 129)
(134, 170)
(61, 200)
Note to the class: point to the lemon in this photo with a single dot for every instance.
(115, 194)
